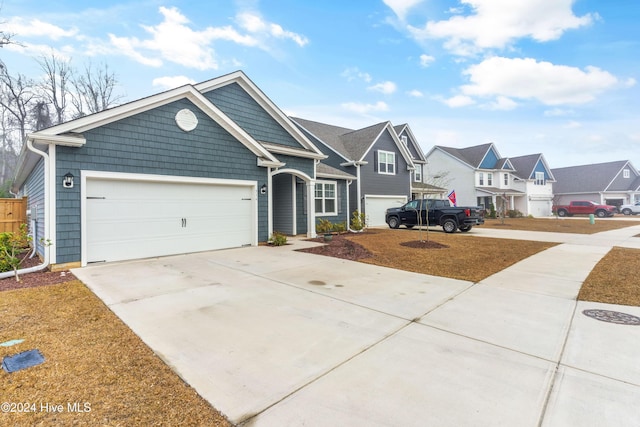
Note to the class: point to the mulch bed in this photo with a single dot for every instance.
(423, 244)
(40, 278)
(339, 247)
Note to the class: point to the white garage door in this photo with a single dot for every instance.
(540, 208)
(375, 208)
(129, 219)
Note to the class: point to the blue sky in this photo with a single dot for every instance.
(557, 77)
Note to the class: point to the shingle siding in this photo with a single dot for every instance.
(376, 183)
(151, 143)
(246, 112)
(33, 189)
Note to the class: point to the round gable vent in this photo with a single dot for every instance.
(186, 120)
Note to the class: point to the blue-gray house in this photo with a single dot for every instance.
(376, 156)
(200, 167)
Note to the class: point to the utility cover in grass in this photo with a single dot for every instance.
(23, 360)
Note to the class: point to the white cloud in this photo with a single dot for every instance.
(386, 88)
(362, 108)
(526, 78)
(458, 101)
(498, 23)
(36, 28)
(502, 103)
(401, 7)
(175, 41)
(415, 93)
(254, 23)
(353, 73)
(170, 82)
(426, 60)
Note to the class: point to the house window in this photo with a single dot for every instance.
(481, 178)
(387, 162)
(489, 179)
(326, 198)
(403, 138)
(506, 179)
(626, 173)
(539, 178)
(418, 174)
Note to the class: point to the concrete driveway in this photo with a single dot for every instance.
(274, 337)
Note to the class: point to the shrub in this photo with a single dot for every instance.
(324, 226)
(12, 246)
(492, 212)
(514, 213)
(278, 239)
(358, 221)
(340, 227)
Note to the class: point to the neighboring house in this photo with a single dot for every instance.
(480, 176)
(613, 183)
(200, 167)
(381, 162)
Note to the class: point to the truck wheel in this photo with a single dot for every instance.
(466, 228)
(394, 222)
(601, 213)
(449, 226)
(626, 211)
(562, 212)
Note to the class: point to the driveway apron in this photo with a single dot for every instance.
(275, 337)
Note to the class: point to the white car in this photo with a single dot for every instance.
(630, 209)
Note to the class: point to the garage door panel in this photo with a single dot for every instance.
(140, 219)
(376, 208)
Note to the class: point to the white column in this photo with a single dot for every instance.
(311, 209)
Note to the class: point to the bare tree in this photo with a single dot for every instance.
(95, 90)
(17, 96)
(55, 86)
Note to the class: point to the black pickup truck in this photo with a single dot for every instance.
(440, 213)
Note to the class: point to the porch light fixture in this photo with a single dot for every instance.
(263, 189)
(67, 180)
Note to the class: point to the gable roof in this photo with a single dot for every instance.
(352, 144)
(404, 128)
(263, 100)
(589, 178)
(472, 156)
(525, 166)
(70, 132)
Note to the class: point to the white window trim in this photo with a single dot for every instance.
(490, 179)
(626, 173)
(539, 180)
(417, 175)
(481, 179)
(386, 163)
(506, 179)
(334, 198)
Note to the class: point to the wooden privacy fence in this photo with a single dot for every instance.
(13, 212)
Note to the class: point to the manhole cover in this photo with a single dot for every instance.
(613, 317)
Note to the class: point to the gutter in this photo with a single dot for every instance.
(46, 261)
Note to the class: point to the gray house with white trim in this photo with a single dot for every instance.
(381, 163)
(613, 183)
(200, 167)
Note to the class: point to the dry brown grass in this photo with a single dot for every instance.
(91, 357)
(466, 257)
(615, 279)
(578, 225)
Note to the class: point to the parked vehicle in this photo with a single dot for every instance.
(440, 212)
(630, 209)
(585, 207)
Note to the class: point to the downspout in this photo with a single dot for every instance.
(46, 261)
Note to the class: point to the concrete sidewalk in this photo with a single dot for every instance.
(274, 337)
